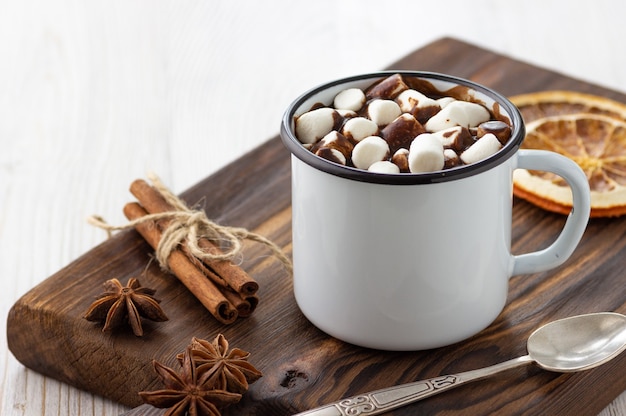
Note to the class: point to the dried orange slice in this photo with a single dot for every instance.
(597, 143)
(589, 129)
(537, 105)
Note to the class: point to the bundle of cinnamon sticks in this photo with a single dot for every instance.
(224, 288)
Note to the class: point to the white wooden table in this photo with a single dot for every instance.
(94, 94)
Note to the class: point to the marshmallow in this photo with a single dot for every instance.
(448, 135)
(369, 150)
(450, 158)
(387, 89)
(337, 141)
(426, 154)
(346, 113)
(313, 125)
(458, 113)
(401, 160)
(444, 101)
(351, 99)
(475, 113)
(410, 99)
(449, 116)
(458, 138)
(358, 128)
(481, 149)
(384, 166)
(401, 132)
(383, 112)
(333, 155)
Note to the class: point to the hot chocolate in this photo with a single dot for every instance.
(403, 125)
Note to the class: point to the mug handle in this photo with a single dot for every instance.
(563, 247)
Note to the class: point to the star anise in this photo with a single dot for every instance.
(235, 372)
(125, 303)
(190, 391)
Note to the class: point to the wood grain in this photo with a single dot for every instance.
(302, 366)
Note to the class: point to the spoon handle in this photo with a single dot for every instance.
(384, 400)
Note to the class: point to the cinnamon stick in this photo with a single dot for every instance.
(214, 277)
(244, 305)
(233, 275)
(197, 283)
(236, 277)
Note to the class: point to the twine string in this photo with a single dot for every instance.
(188, 226)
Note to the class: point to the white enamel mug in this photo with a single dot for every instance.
(415, 261)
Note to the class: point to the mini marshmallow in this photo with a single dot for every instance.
(444, 101)
(450, 158)
(383, 112)
(351, 99)
(384, 166)
(450, 116)
(476, 113)
(358, 128)
(387, 89)
(458, 138)
(401, 160)
(346, 113)
(313, 125)
(401, 132)
(337, 141)
(481, 149)
(426, 154)
(449, 154)
(447, 136)
(458, 113)
(368, 151)
(333, 155)
(409, 99)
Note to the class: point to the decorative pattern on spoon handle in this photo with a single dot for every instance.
(381, 401)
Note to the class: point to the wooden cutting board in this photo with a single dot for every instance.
(302, 366)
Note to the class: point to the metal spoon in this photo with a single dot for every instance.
(567, 345)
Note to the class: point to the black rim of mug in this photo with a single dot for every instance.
(290, 141)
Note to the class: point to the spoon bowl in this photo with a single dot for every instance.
(578, 343)
(572, 344)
